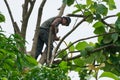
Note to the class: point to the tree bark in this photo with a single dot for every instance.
(35, 39)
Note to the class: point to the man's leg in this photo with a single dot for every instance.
(48, 45)
(39, 47)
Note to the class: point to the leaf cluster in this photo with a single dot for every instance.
(16, 65)
(91, 56)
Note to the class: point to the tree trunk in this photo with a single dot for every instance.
(35, 39)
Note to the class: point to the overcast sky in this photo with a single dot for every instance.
(50, 10)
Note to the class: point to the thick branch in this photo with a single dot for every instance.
(33, 50)
(25, 8)
(62, 8)
(26, 16)
(31, 8)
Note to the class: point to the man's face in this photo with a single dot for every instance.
(64, 21)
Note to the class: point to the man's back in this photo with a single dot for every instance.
(47, 23)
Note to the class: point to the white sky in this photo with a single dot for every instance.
(50, 10)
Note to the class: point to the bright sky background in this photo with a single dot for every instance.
(50, 10)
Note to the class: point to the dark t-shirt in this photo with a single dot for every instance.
(47, 24)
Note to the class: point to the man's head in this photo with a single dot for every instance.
(66, 21)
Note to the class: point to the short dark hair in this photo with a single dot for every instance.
(68, 20)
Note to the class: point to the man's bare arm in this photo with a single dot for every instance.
(55, 23)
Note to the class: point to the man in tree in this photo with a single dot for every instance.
(50, 24)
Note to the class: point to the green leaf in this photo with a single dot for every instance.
(117, 23)
(90, 59)
(81, 45)
(100, 38)
(4, 78)
(62, 53)
(78, 10)
(110, 75)
(79, 62)
(106, 1)
(2, 18)
(10, 62)
(97, 17)
(89, 2)
(90, 18)
(68, 2)
(115, 37)
(83, 53)
(107, 39)
(118, 14)
(98, 24)
(86, 13)
(30, 61)
(72, 47)
(111, 4)
(80, 6)
(99, 30)
(63, 65)
(101, 9)
(89, 48)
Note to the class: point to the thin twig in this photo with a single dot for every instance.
(76, 15)
(107, 24)
(109, 16)
(79, 6)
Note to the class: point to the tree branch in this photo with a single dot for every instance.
(109, 16)
(102, 20)
(82, 40)
(26, 15)
(78, 56)
(75, 15)
(25, 8)
(40, 10)
(62, 8)
(107, 24)
(93, 51)
(16, 28)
